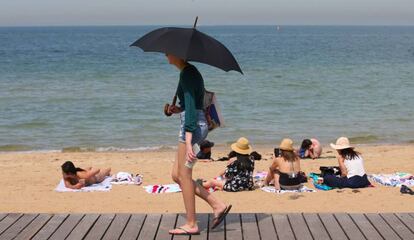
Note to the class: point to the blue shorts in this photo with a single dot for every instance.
(200, 133)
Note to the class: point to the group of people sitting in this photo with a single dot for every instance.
(285, 171)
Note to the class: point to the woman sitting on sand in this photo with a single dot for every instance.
(76, 178)
(310, 148)
(284, 171)
(238, 175)
(351, 165)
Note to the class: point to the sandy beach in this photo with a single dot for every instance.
(28, 182)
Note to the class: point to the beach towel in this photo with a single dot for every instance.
(166, 188)
(104, 186)
(272, 189)
(125, 178)
(320, 186)
(394, 180)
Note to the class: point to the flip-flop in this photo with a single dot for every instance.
(217, 220)
(183, 232)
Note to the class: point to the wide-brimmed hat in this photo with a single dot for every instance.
(206, 144)
(242, 146)
(341, 143)
(286, 144)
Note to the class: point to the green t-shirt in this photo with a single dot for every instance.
(190, 92)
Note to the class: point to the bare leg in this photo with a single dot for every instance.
(102, 174)
(276, 177)
(213, 183)
(183, 176)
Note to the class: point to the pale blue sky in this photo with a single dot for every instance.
(211, 12)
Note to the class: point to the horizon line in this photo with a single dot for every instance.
(214, 25)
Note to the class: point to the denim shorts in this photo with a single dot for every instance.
(200, 133)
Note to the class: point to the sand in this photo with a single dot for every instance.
(28, 181)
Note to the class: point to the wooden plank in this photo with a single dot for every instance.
(407, 220)
(117, 227)
(233, 227)
(47, 230)
(100, 226)
(167, 223)
(83, 227)
(66, 227)
(18, 226)
(383, 228)
(219, 232)
(203, 225)
(397, 226)
(150, 227)
(29, 231)
(282, 226)
(315, 225)
(249, 226)
(133, 227)
(298, 224)
(180, 221)
(332, 226)
(266, 227)
(365, 226)
(349, 227)
(8, 221)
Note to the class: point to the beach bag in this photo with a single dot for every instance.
(212, 111)
(333, 170)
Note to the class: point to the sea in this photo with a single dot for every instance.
(86, 89)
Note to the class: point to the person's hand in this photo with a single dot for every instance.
(174, 109)
(190, 153)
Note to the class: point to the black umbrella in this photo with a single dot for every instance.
(189, 44)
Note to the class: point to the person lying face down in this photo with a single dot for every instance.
(205, 150)
(77, 178)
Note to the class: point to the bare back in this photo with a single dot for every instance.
(287, 166)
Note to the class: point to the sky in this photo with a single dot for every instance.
(210, 12)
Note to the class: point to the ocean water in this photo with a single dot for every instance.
(84, 87)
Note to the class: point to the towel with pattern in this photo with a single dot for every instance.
(394, 180)
(272, 189)
(165, 188)
(103, 186)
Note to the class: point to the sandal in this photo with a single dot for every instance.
(183, 231)
(217, 220)
(407, 190)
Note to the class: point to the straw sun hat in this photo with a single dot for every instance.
(341, 143)
(242, 146)
(286, 144)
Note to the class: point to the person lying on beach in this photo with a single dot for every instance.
(285, 169)
(352, 167)
(238, 175)
(205, 150)
(310, 148)
(77, 178)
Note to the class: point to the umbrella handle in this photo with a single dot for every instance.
(195, 22)
(166, 106)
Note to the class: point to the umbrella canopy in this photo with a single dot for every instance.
(189, 44)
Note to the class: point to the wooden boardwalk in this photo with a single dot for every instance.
(244, 226)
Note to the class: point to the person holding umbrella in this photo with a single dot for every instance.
(194, 130)
(181, 45)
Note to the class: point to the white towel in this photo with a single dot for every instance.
(272, 189)
(166, 188)
(104, 186)
(125, 178)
